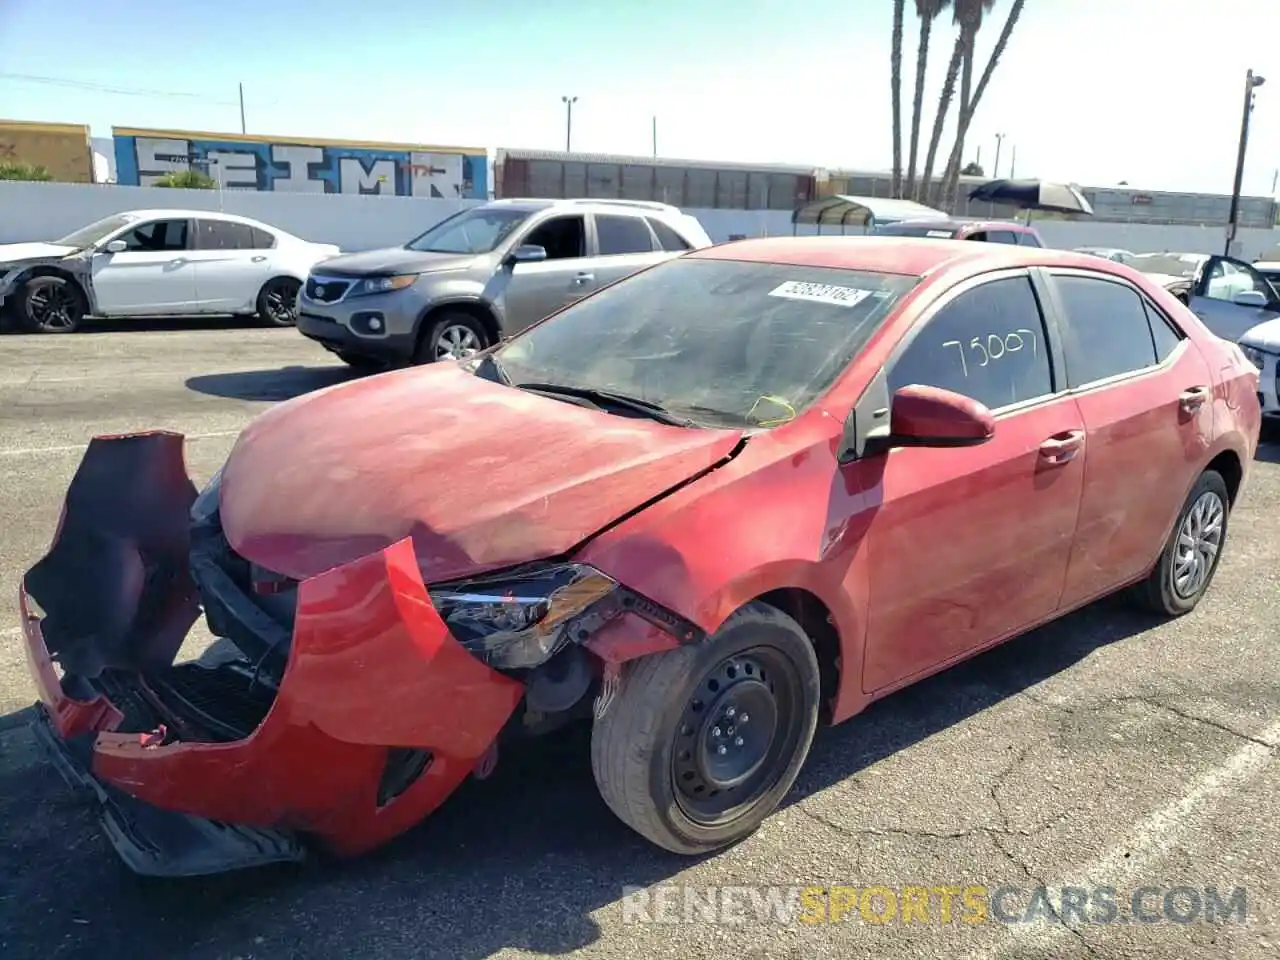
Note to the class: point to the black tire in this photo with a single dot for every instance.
(650, 757)
(360, 362)
(50, 305)
(449, 328)
(1161, 591)
(278, 302)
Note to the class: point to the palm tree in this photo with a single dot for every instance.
(968, 17)
(968, 105)
(924, 187)
(927, 11)
(895, 85)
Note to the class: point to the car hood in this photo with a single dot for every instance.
(480, 475)
(395, 260)
(19, 252)
(1265, 336)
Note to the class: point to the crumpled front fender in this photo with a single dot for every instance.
(372, 667)
(372, 670)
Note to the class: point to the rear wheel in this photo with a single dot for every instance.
(50, 305)
(278, 302)
(453, 335)
(703, 742)
(1191, 554)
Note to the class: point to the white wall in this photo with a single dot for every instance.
(45, 211)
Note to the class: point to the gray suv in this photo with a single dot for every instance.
(483, 274)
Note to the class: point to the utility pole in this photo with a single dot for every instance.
(1251, 82)
(655, 137)
(1013, 160)
(568, 122)
(995, 167)
(242, 127)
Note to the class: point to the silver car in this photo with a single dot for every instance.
(483, 274)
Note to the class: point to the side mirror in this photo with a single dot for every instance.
(116, 246)
(932, 417)
(1250, 298)
(528, 253)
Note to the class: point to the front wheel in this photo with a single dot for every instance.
(703, 742)
(1191, 554)
(50, 305)
(451, 336)
(278, 302)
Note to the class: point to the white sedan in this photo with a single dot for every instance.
(157, 263)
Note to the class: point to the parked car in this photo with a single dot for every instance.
(1271, 270)
(1228, 295)
(157, 263)
(483, 274)
(745, 491)
(1108, 253)
(991, 231)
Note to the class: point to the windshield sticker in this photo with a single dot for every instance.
(939, 234)
(820, 293)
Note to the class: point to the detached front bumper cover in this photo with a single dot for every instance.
(372, 676)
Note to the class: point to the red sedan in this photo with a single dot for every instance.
(706, 508)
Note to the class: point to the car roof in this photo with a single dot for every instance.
(952, 223)
(909, 256)
(156, 213)
(590, 204)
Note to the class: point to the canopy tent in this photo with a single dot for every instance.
(1034, 195)
(860, 211)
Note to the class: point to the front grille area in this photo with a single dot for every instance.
(326, 290)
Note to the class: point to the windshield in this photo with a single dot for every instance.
(87, 236)
(723, 342)
(937, 231)
(478, 230)
(1182, 265)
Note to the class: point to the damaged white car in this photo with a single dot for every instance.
(157, 263)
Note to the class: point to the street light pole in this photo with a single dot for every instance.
(995, 167)
(568, 121)
(1251, 82)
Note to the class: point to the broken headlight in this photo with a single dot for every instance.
(520, 620)
(206, 504)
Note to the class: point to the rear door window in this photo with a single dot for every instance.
(988, 343)
(1002, 236)
(1028, 240)
(617, 235)
(224, 235)
(1107, 332)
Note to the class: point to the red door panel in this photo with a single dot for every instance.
(1145, 447)
(968, 545)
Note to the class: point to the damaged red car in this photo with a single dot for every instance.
(705, 509)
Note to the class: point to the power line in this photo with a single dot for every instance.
(105, 88)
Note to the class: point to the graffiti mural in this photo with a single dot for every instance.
(298, 166)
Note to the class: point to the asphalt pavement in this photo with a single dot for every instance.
(1108, 750)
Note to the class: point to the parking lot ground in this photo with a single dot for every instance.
(1108, 750)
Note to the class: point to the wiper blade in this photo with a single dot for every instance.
(654, 411)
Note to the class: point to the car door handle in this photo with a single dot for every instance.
(1062, 447)
(1193, 399)
(258, 259)
(584, 278)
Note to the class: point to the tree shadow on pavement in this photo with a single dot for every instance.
(522, 860)
(284, 383)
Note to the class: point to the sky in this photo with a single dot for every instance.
(1089, 91)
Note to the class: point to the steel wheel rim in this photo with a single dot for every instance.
(1198, 545)
(51, 308)
(715, 776)
(282, 307)
(457, 342)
